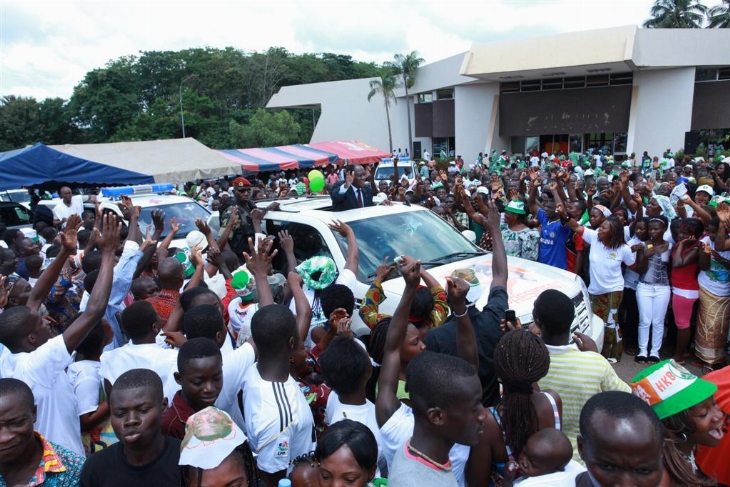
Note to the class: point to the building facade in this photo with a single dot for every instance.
(621, 89)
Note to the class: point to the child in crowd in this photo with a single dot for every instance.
(200, 376)
(85, 377)
(305, 471)
(545, 460)
(144, 456)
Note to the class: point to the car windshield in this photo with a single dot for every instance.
(420, 234)
(185, 215)
(387, 171)
(16, 196)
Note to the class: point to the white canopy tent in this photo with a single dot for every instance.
(168, 161)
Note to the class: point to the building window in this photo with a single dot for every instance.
(705, 75)
(532, 144)
(517, 144)
(445, 94)
(425, 97)
(572, 82)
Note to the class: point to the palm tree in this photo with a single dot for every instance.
(406, 65)
(719, 15)
(386, 86)
(677, 14)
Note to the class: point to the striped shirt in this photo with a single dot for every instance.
(577, 376)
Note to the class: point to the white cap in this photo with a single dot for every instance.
(197, 239)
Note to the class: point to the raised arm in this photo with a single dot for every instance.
(304, 310)
(287, 245)
(574, 225)
(165, 244)
(48, 277)
(99, 297)
(353, 252)
(532, 196)
(258, 264)
(499, 255)
(387, 402)
(466, 339)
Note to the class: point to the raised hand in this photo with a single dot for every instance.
(148, 240)
(158, 219)
(259, 261)
(492, 216)
(196, 258)
(68, 236)
(286, 241)
(349, 178)
(5, 289)
(383, 270)
(456, 290)
(108, 241)
(340, 227)
(174, 225)
(203, 226)
(411, 273)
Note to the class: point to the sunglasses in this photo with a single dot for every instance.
(243, 190)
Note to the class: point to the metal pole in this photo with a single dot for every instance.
(182, 116)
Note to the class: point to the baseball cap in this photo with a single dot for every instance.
(516, 206)
(197, 239)
(475, 287)
(243, 285)
(187, 265)
(707, 189)
(669, 388)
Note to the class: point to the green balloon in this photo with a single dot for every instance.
(316, 181)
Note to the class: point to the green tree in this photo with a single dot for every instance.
(719, 15)
(406, 65)
(265, 129)
(385, 86)
(676, 14)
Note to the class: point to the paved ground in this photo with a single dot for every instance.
(627, 368)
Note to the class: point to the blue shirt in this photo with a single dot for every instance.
(553, 237)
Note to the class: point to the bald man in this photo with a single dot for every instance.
(171, 276)
(69, 205)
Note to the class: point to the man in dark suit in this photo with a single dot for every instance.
(353, 192)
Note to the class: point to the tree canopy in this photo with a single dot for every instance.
(138, 98)
(687, 14)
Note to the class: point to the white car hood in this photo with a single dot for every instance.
(526, 280)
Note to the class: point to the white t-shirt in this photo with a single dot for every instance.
(236, 365)
(566, 478)
(606, 275)
(279, 423)
(85, 378)
(717, 278)
(145, 356)
(399, 428)
(365, 414)
(61, 211)
(239, 318)
(44, 371)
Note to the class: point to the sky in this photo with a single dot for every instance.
(46, 47)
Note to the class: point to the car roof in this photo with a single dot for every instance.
(320, 208)
(152, 199)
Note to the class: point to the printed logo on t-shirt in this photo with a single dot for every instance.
(282, 449)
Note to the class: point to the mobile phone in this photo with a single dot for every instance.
(510, 316)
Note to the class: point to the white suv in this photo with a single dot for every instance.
(390, 231)
(150, 198)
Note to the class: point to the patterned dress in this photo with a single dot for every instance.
(521, 243)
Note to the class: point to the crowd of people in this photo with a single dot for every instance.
(126, 361)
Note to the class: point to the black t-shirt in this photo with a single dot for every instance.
(488, 333)
(108, 468)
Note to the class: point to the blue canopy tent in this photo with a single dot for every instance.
(40, 165)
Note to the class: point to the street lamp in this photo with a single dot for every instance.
(182, 116)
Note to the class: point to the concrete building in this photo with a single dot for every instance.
(625, 89)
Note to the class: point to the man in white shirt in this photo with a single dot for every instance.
(69, 205)
(141, 324)
(39, 360)
(279, 423)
